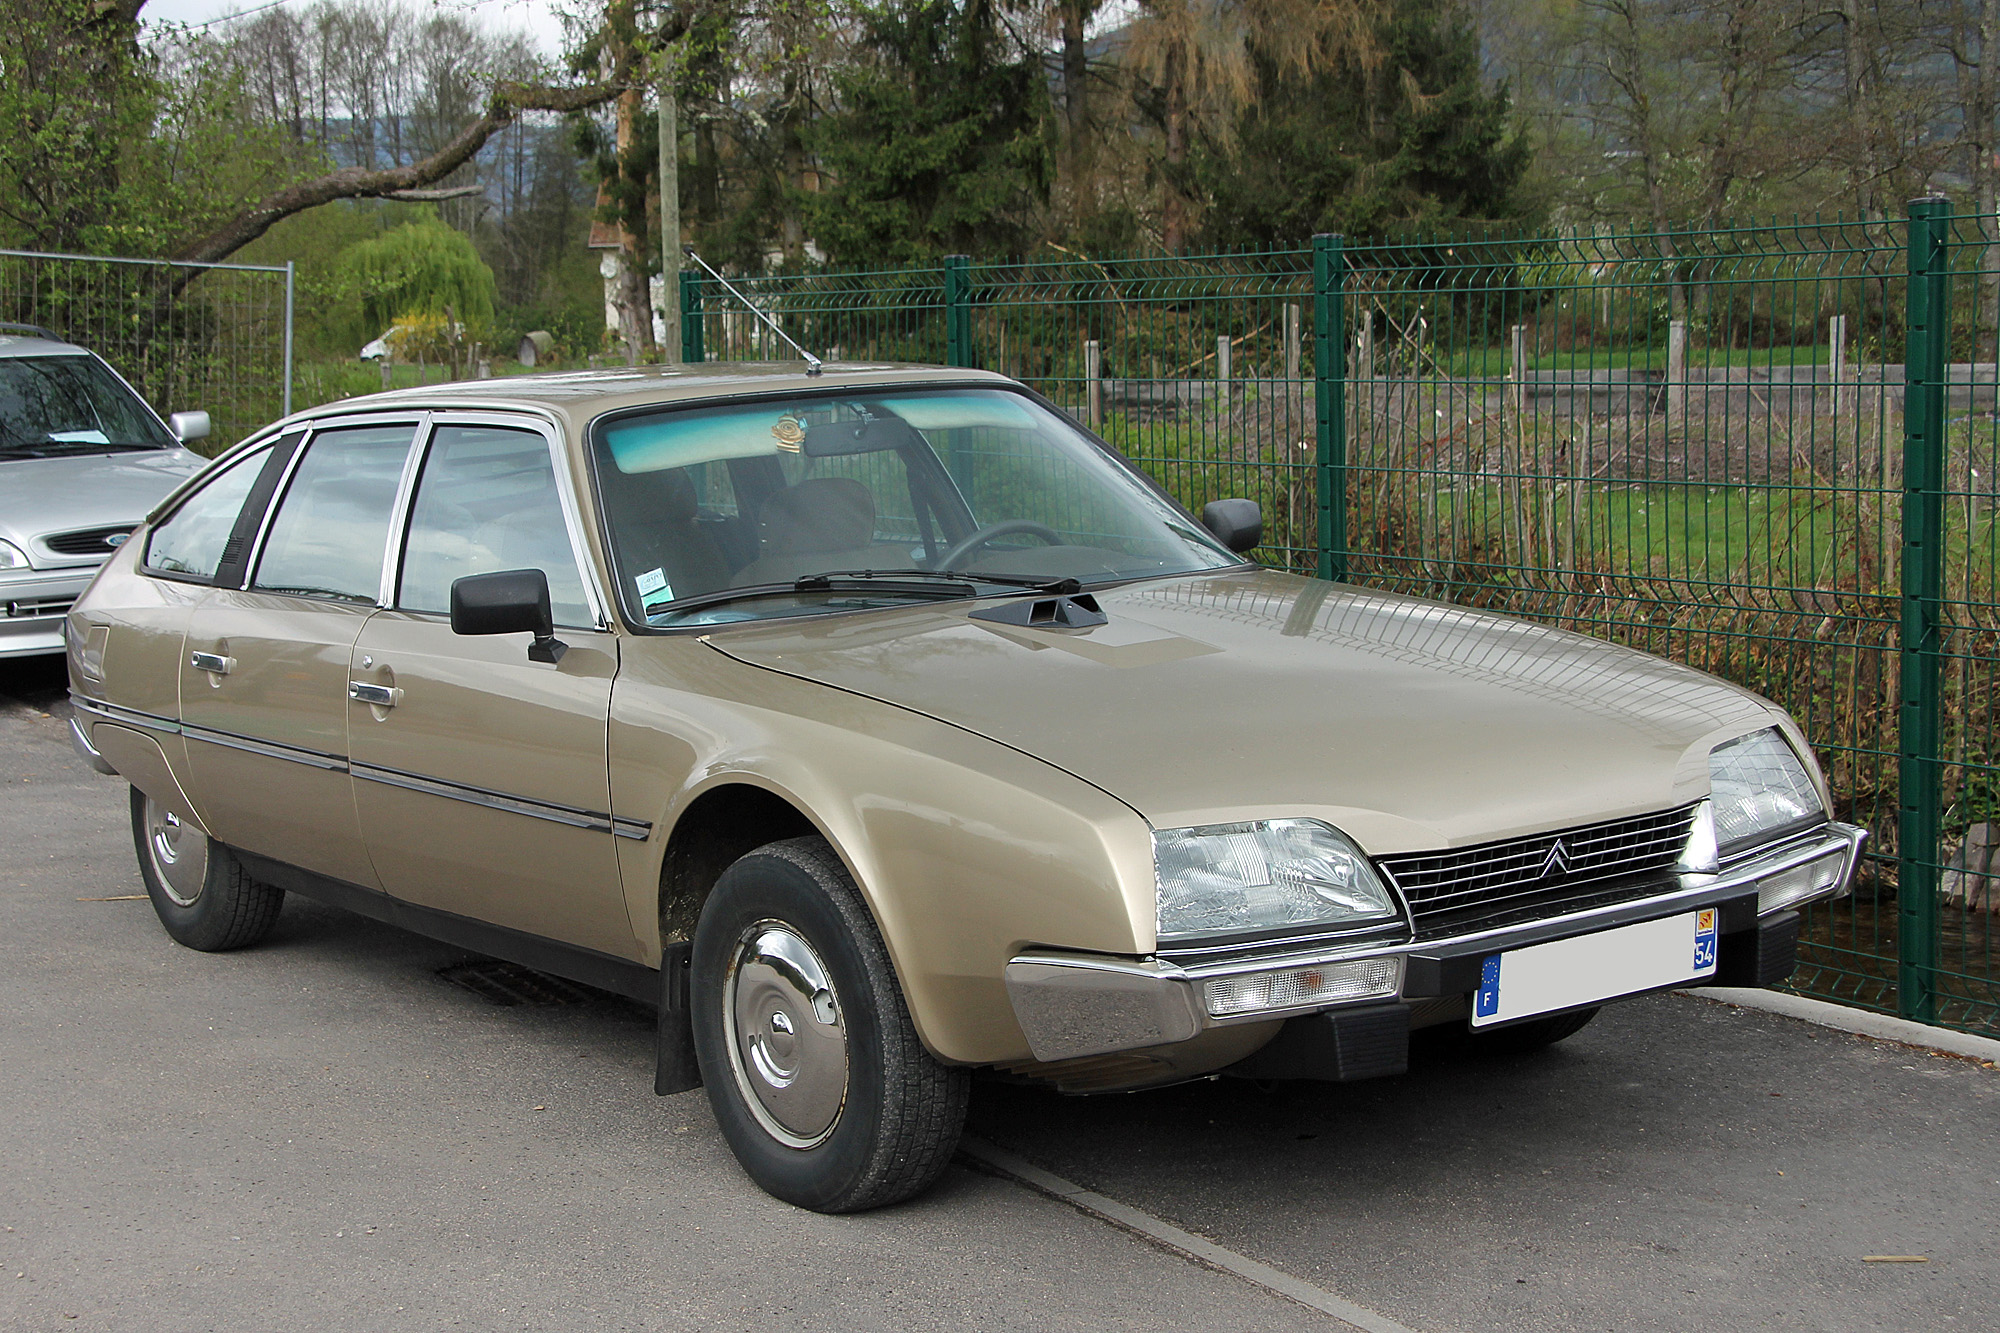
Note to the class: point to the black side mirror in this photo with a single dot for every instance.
(509, 602)
(1237, 524)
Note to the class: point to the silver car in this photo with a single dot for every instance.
(82, 458)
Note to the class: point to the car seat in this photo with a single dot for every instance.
(822, 523)
(654, 519)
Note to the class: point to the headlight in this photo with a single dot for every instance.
(1759, 786)
(1227, 879)
(12, 557)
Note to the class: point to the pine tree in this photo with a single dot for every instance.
(1417, 139)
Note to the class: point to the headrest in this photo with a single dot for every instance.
(819, 514)
(651, 497)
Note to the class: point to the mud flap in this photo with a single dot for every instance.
(676, 1070)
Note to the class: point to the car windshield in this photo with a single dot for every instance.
(733, 512)
(52, 406)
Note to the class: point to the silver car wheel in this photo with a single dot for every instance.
(179, 853)
(787, 1039)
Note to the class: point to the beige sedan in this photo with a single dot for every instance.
(882, 726)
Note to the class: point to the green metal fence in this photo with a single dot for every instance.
(1768, 451)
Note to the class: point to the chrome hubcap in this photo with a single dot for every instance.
(179, 853)
(787, 1039)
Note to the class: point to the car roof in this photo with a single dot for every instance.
(13, 344)
(579, 396)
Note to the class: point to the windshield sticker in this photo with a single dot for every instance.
(790, 433)
(652, 581)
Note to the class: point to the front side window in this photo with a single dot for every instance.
(972, 484)
(331, 530)
(487, 501)
(190, 540)
(52, 406)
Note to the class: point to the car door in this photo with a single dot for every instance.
(480, 775)
(264, 678)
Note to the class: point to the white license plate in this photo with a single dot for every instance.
(1567, 974)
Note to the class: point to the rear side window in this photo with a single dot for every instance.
(190, 541)
(331, 530)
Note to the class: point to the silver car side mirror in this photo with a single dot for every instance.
(190, 426)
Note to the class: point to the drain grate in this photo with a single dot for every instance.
(511, 984)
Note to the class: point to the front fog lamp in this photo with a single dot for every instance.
(1297, 987)
(1228, 879)
(1800, 883)
(1759, 787)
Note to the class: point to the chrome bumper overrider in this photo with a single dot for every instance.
(1076, 1004)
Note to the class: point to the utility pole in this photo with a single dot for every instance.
(670, 206)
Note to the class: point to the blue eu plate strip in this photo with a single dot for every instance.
(1487, 1002)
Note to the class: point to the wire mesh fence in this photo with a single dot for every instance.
(208, 337)
(1769, 452)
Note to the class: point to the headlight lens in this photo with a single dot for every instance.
(12, 557)
(1758, 786)
(1228, 879)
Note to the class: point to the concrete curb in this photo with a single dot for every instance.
(1858, 1021)
(1170, 1237)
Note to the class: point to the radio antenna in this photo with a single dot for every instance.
(813, 364)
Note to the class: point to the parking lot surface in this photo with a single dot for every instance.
(323, 1132)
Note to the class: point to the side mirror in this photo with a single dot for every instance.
(190, 426)
(509, 602)
(1237, 524)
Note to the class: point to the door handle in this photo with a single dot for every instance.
(214, 663)
(378, 696)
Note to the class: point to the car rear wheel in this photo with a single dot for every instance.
(818, 1080)
(203, 896)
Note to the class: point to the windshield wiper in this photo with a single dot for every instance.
(964, 577)
(905, 582)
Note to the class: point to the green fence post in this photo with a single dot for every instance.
(1330, 399)
(692, 351)
(958, 310)
(1918, 796)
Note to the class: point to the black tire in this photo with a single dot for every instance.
(202, 894)
(1534, 1035)
(895, 1112)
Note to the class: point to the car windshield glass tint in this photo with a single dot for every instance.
(52, 406)
(974, 482)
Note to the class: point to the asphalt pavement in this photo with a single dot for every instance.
(324, 1133)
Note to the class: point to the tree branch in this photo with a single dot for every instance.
(509, 100)
(435, 196)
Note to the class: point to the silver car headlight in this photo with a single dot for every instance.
(1759, 786)
(1230, 879)
(12, 557)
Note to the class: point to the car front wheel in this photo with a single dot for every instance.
(818, 1080)
(203, 896)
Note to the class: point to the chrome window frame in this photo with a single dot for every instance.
(551, 433)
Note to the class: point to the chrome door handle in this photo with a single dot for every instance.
(380, 696)
(215, 663)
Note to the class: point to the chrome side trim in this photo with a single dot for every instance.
(331, 763)
(571, 816)
(88, 752)
(130, 717)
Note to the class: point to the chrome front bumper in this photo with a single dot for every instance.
(32, 608)
(1075, 1004)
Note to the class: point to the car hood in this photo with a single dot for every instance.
(39, 496)
(1254, 694)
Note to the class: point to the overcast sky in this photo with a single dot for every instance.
(537, 17)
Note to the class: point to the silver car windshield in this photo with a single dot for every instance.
(741, 511)
(56, 406)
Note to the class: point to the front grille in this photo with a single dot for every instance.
(35, 608)
(1522, 879)
(90, 541)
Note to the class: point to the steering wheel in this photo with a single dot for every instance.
(993, 532)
